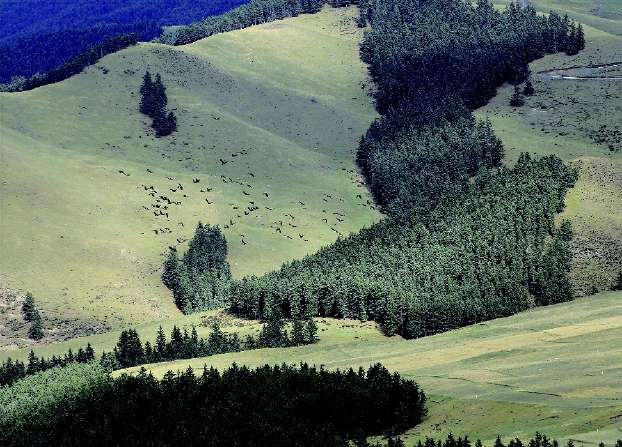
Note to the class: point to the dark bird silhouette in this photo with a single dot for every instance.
(265, 194)
(340, 220)
(251, 174)
(196, 180)
(301, 235)
(248, 185)
(223, 162)
(208, 202)
(301, 203)
(169, 178)
(174, 190)
(180, 223)
(149, 171)
(290, 215)
(155, 231)
(243, 241)
(245, 193)
(325, 220)
(181, 188)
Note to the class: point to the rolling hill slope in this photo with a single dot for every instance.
(268, 119)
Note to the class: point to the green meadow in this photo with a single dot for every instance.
(269, 119)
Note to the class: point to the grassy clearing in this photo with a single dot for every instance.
(552, 369)
(88, 240)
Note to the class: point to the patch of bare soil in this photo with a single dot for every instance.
(14, 330)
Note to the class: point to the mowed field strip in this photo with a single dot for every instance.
(269, 120)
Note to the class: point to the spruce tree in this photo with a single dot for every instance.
(517, 99)
(36, 329)
(146, 95)
(29, 309)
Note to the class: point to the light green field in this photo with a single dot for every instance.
(554, 369)
(280, 104)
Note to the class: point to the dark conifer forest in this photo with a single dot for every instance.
(39, 38)
(267, 406)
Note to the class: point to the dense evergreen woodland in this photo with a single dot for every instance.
(432, 63)
(72, 66)
(466, 240)
(37, 37)
(268, 406)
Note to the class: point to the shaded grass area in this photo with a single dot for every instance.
(89, 240)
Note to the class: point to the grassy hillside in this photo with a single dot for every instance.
(269, 118)
(554, 369)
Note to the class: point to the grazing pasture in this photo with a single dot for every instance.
(269, 119)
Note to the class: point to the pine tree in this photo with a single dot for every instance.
(90, 353)
(517, 99)
(311, 332)
(147, 105)
(170, 275)
(273, 333)
(617, 285)
(161, 351)
(36, 329)
(28, 308)
(298, 333)
(528, 90)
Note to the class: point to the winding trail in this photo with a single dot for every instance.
(584, 73)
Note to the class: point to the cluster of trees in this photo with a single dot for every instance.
(539, 440)
(433, 63)
(129, 350)
(200, 281)
(41, 53)
(81, 405)
(32, 315)
(12, 371)
(73, 66)
(36, 40)
(153, 101)
(478, 255)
